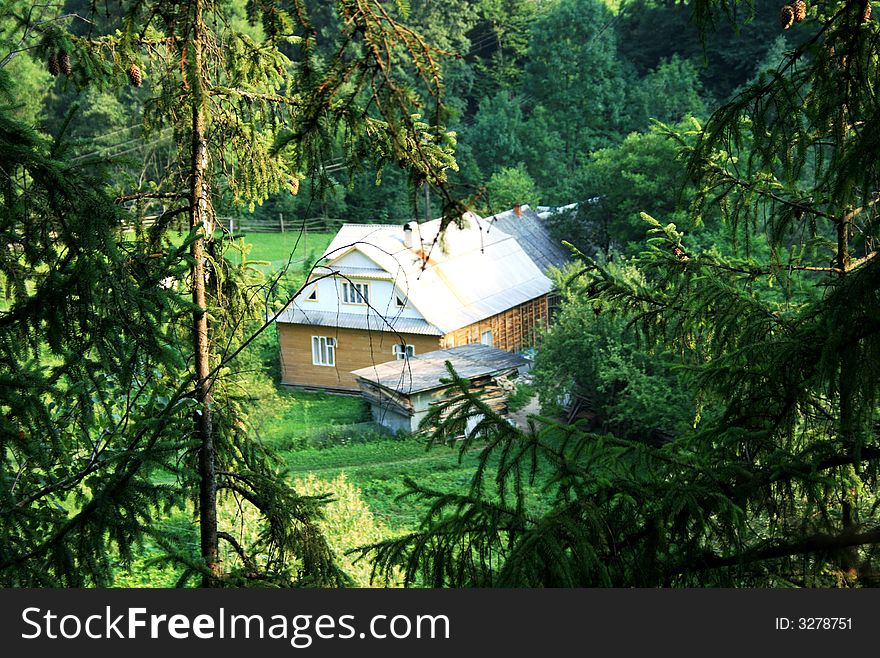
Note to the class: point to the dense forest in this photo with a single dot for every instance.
(530, 89)
(720, 323)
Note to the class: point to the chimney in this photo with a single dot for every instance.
(517, 209)
(408, 235)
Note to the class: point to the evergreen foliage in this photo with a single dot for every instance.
(252, 112)
(740, 325)
(90, 408)
(775, 485)
(635, 390)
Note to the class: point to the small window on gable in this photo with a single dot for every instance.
(355, 293)
(313, 295)
(402, 351)
(399, 300)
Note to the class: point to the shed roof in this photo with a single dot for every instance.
(423, 372)
(533, 236)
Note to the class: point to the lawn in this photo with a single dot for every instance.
(329, 435)
(277, 249)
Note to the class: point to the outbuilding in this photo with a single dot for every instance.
(401, 392)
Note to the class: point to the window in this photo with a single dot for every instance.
(402, 351)
(399, 300)
(323, 351)
(486, 337)
(313, 296)
(355, 293)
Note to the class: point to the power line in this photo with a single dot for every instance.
(110, 151)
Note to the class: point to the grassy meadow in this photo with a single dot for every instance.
(275, 250)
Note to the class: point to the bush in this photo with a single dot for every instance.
(521, 396)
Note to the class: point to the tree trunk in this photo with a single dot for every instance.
(847, 390)
(200, 221)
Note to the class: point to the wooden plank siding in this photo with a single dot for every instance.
(355, 348)
(512, 330)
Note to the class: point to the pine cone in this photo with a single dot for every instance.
(866, 15)
(786, 17)
(800, 10)
(134, 75)
(53, 67)
(64, 63)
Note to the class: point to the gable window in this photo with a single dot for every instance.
(486, 337)
(323, 351)
(355, 293)
(402, 351)
(312, 296)
(399, 300)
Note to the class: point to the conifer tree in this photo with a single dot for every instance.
(253, 113)
(776, 483)
(88, 370)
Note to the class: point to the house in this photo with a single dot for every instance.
(401, 392)
(392, 292)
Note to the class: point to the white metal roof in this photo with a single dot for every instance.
(454, 279)
(533, 236)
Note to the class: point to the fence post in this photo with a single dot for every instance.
(281, 219)
(231, 227)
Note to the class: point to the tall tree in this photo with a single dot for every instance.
(641, 174)
(89, 391)
(776, 484)
(496, 135)
(574, 73)
(254, 116)
(500, 44)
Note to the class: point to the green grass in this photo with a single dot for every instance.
(279, 248)
(378, 469)
(377, 465)
(326, 435)
(285, 421)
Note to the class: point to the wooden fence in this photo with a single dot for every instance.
(250, 224)
(280, 224)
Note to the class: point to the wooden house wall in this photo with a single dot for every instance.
(355, 348)
(513, 330)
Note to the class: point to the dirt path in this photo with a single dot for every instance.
(520, 418)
